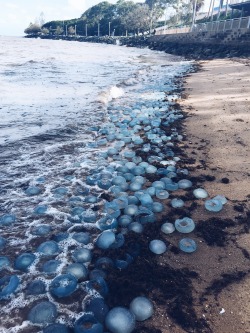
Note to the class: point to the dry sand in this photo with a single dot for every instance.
(217, 102)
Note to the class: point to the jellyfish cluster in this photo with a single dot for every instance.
(136, 176)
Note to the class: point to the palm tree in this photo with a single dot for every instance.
(221, 5)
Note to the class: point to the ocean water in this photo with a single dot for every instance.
(55, 96)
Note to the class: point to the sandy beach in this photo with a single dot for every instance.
(217, 103)
(207, 291)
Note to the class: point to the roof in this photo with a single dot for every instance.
(237, 4)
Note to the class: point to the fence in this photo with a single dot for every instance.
(233, 24)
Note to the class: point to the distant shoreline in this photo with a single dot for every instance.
(187, 45)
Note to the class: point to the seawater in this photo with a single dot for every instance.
(52, 95)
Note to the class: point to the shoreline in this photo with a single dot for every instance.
(191, 46)
(206, 291)
(217, 106)
(195, 292)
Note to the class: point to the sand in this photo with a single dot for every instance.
(207, 291)
(217, 102)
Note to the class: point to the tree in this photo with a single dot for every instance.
(45, 31)
(33, 29)
(138, 19)
(59, 30)
(71, 30)
(156, 8)
(100, 14)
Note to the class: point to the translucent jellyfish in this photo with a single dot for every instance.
(132, 200)
(107, 222)
(185, 183)
(136, 227)
(187, 245)
(40, 210)
(36, 287)
(171, 186)
(118, 180)
(146, 200)
(213, 205)
(77, 211)
(56, 328)
(157, 207)
(63, 285)
(3, 243)
(98, 307)
(8, 285)
(162, 194)
(138, 170)
(4, 262)
(111, 209)
(98, 284)
(119, 241)
(177, 203)
(157, 246)
(41, 230)
(150, 169)
(123, 263)
(105, 239)
(121, 202)
(43, 313)
(128, 154)
(104, 263)
(88, 324)
(48, 248)
(82, 237)
(104, 184)
(23, 261)
(131, 210)
(50, 267)
(82, 255)
(78, 270)
(221, 198)
(142, 308)
(112, 151)
(7, 219)
(159, 185)
(124, 220)
(120, 320)
(167, 228)
(135, 186)
(200, 193)
(91, 199)
(60, 191)
(96, 273)
(41, 179)
(32, 190)
(60, 237)
(151, 190)
(89, 216)
(184, 225)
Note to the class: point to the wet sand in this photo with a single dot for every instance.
(207, 291)
(217, 103)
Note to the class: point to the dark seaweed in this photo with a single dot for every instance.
(214, 231)
(225, 280)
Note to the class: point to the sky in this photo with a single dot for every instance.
(16, 15)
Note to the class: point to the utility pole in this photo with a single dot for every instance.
(66, 31)
(75, 30)
(86, 29)
(212, 12)
(98, 28)
(194, 13)
(109, 29)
